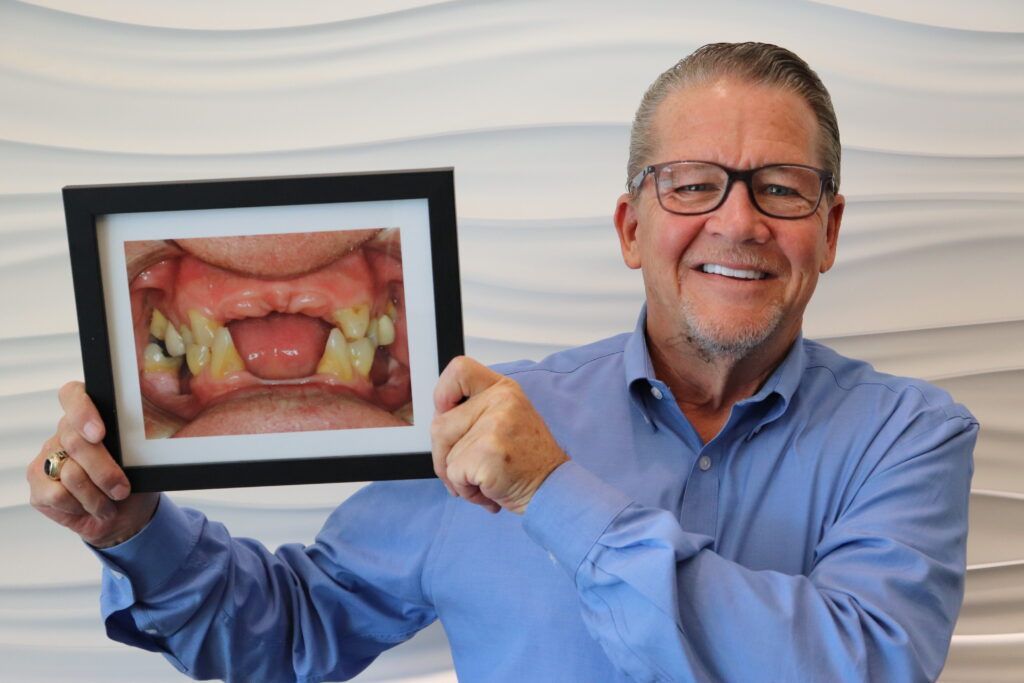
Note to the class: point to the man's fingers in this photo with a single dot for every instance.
(46, 494)
(460, 475)
(81, 411)
(75, 480)
(448, 431)
(94, 460)
(464, 377)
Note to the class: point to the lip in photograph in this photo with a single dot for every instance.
(255, 334)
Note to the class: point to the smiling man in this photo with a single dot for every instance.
(708, 498)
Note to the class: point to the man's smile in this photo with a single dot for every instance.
(735, 273)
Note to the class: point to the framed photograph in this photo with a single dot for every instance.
(261, 331)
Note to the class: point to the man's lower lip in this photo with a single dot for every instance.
(287, 408)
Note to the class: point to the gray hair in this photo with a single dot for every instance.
(758, 63)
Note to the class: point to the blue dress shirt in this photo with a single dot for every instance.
(820, 536)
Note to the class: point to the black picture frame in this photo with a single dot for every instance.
(92, 213)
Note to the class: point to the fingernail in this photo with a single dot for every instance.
(119, 492)
(92, 431)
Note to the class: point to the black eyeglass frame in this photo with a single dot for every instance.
(732, 175)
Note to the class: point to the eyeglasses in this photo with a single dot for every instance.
(689, 188)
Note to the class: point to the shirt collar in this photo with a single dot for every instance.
(782, 382)
(636, 359)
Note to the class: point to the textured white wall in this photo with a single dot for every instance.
(530, 102)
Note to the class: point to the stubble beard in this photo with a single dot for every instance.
(715, 341)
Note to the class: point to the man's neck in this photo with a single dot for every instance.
(707, 386)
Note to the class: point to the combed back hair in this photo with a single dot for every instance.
(756, 63)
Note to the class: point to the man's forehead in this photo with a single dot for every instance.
(736, 123)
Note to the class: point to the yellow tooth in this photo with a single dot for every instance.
(173, 341)
(385, 330)
(203, 329)
(158, 324)
(335, 360)
(362, 351)
(224, 357)
(353, 320)
(154, 360)
(390, 310)
(371, 332)
(186, 335)
(197, 357)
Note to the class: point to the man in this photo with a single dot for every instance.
(710, 497)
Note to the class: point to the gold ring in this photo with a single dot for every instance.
(52, 465)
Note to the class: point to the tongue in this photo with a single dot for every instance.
(280, 345)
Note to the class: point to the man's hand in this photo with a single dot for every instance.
(493, 449)
(90, 482)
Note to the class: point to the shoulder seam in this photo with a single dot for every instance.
(564, 372)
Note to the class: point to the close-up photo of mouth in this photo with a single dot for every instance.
(270, 333)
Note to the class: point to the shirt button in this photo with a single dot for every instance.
(704, 463)
(656, 393)
(117, 575)
(152, 631)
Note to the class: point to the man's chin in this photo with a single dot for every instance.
(729, 340)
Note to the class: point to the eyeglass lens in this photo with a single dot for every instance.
(693, 187)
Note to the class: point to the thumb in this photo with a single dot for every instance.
(463, 378)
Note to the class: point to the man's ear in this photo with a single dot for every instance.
(832, 222)
(626, 226)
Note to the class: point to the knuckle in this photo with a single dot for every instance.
(71, 441)
(73, 478)
(107, 480)
(69, 391)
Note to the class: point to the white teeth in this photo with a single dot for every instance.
(158, 324)
(336, 359)
(385, 330)
(362, 352)
(224, 357)
(154, 360)
(353, 321)
(186, 335)
(203, 329)
(197, 357)
(716, 269)
(173, 341)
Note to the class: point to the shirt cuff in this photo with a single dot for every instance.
(570, 511)
(154, 554)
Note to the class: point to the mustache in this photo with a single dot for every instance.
(746, 260)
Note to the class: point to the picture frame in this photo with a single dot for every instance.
(227, 386)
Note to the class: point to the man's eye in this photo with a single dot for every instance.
(695, 187)
(779, 191)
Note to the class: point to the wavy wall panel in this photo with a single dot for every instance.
(530, 101)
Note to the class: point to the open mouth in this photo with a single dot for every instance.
(733, 273)
(271, 333)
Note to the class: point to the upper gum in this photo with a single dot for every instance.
(321, 300)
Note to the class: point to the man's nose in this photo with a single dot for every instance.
(737, 219)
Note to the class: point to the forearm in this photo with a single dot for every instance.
(878, 604)
(227, 608)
